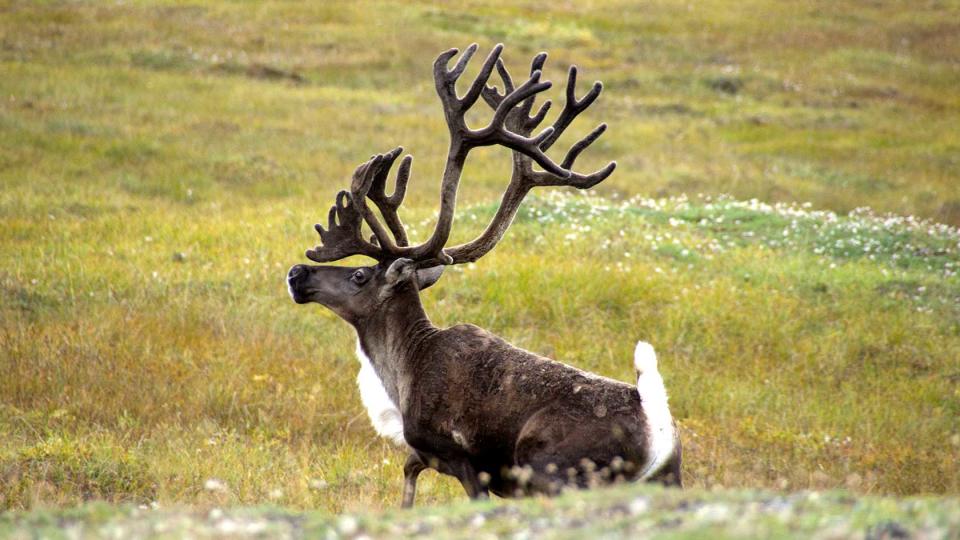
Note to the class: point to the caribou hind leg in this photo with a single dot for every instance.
(669, 475)
(469, 479)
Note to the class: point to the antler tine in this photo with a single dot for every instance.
(525, 92)
(446, 80)
(481, 81)
(462, 63)
(573, 106)
(490, 93)
(577, 180)
(389, 205)
(518, 119)
(342, 237)
(582, 145)
(530, 123)
(368, 182)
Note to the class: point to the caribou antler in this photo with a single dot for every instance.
(524, 177)
(342, 237)
(520, 122)
(511, 126)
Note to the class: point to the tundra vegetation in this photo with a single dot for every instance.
(161, 164)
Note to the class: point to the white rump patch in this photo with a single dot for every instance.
(654, 398)
(383, 412)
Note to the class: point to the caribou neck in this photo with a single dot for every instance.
(390, 335)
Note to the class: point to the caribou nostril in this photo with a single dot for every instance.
(295, 271)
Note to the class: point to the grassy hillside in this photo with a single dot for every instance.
(161, 165)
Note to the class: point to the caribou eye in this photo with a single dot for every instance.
(358, 277)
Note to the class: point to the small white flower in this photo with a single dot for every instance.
(212, 484)
(348, 525)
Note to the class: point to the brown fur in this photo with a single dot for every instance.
(476, 407)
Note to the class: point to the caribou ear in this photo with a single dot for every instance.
(400, 271)
(428, 276)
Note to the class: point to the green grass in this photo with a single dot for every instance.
(616, 512)
(161, 164)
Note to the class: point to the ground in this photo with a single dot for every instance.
(622, 512)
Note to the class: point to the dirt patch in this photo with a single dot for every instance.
(260, 71)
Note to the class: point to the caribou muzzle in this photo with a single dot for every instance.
(296, 279)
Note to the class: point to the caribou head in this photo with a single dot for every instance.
(511, 126)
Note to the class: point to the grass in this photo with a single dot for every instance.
(161, 164)
(620, 512)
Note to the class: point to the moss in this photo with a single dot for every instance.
(70, 470)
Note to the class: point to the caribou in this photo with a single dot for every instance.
(461, 400)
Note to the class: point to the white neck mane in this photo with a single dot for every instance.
(383, 412)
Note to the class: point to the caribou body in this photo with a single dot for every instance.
(462, 400)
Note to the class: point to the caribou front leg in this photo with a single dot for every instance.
(461, 469)
(411, 470)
